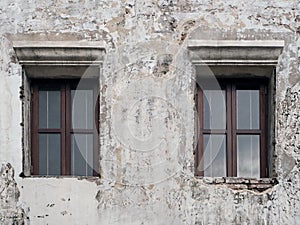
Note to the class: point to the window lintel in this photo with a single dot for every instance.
(235, 52)
(59, 58)
(59, 52)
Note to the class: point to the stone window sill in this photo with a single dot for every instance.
(60, 177)
(237, 183)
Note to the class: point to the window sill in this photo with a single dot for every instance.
(90, 178)
(238, 183)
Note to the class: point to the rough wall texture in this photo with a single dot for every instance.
(10, 213)
(147, 88)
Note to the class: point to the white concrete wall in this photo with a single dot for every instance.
(147, 164)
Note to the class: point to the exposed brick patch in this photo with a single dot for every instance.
(243, 183)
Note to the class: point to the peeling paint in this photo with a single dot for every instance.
(147, 163)
(10, 213)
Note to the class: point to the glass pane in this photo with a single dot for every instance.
(82, 154)
(248, 161)
(82, 109)
(49, 109)
(49, 154)
(247, 109)
(214, 155)
(214, 109)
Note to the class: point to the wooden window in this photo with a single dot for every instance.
(64, 122)
(232, 129)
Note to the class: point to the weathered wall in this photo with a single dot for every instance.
(147, 125)
(10, 213)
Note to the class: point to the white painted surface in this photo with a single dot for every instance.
(136, 33)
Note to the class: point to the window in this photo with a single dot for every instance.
(231, 134)
(50, 72)
(64, 121)
(232, 129)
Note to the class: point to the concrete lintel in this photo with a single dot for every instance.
(235, 43)
(233, 52)
(59, 44)
(59, 52)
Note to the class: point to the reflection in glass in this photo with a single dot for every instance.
(82, 109)
(82, 154)
(214, 109)
(247, 109)
(49, 109)
(214, 156)
(49, 154)
(248, 156)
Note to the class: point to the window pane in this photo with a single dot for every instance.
(49, 109)
(214, 109)
(49, 154)
(82, 154)
(248, 160)
(82, 109)
(214, 155)
(247, 109)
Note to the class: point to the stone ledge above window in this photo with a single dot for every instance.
(58, 58)
(235, 52)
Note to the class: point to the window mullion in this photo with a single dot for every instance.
(263, 151)
(234, 130)
(63, 129)
(229, 131)
(96, 100)
(68, 129)
(199, 154)
(34, 131)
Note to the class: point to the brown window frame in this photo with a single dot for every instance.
(230, 86)
(64, 86)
